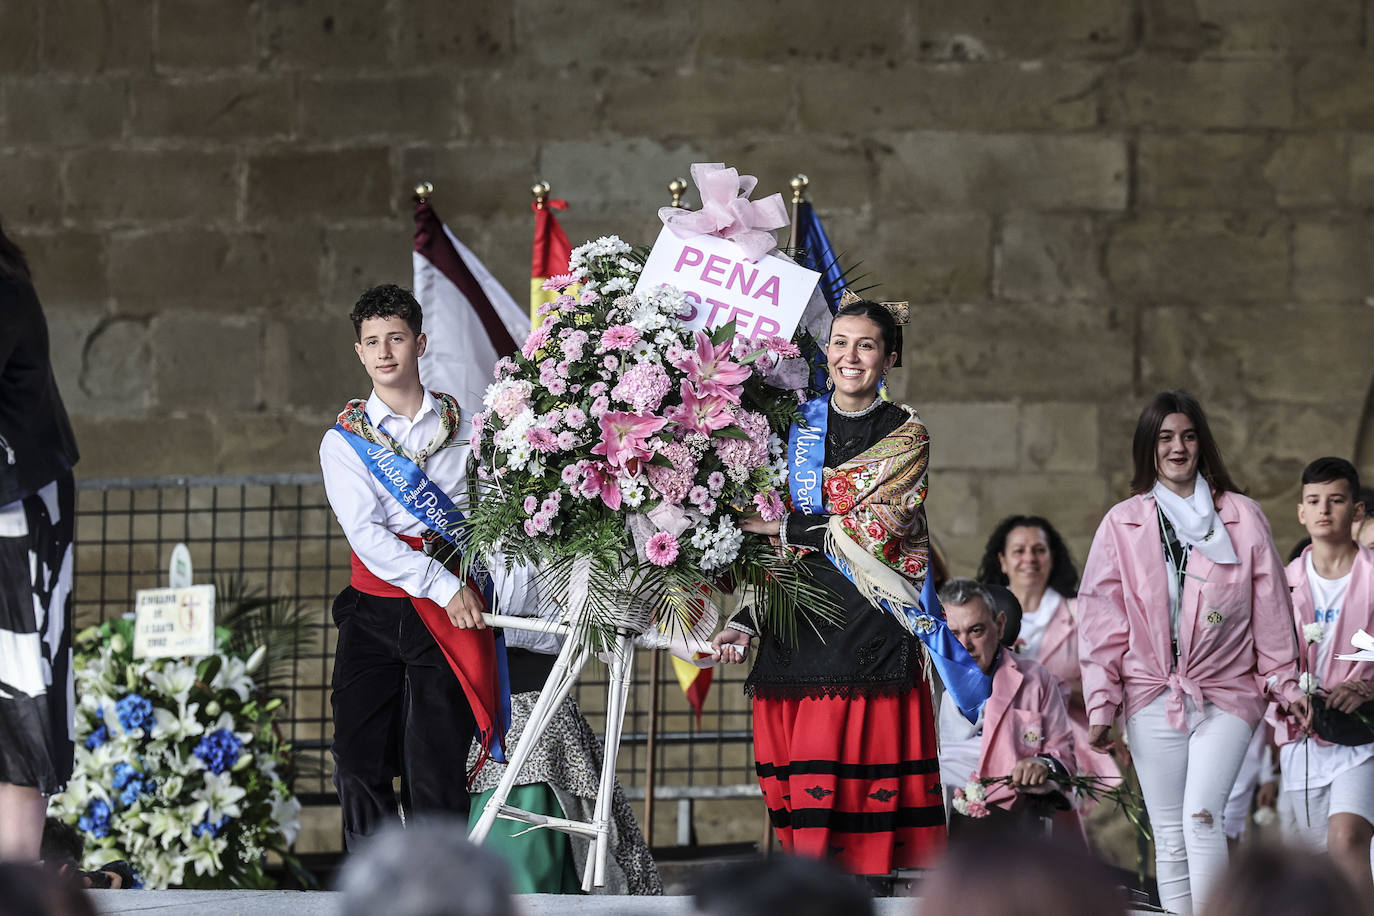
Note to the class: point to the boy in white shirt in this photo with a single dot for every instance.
(414, 669)
(1327, 798)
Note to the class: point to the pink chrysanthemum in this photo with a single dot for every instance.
(698, 495)
(781, 347)
(558, 282)
(662, 549)
(575, 417)
(541, 439)
(530, 504)
(538, 337)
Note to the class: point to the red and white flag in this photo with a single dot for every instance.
(470, 320)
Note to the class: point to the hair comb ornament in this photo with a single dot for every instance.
(900, 311)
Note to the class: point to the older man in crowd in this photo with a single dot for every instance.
(1022, 731)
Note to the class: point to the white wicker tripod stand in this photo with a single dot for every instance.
(571, 660)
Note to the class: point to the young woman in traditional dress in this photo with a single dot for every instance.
(1184, 625)
(843, 731)
(37, 504)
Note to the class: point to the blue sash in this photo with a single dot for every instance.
(429, 505)
(962, 677)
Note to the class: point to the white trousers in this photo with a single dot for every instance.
(1186, 776)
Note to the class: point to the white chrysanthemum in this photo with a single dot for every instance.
(1313, 632)
(632, 492)
(617, 285)
(1308, 683)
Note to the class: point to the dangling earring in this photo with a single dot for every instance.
(829, 382)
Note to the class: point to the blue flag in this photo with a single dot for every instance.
(817, 254)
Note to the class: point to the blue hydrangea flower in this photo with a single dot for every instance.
(123, 772)
(97, 738)
(219, 749)
(132, 790)
(134, 712)
(205, 826)
(96, 820)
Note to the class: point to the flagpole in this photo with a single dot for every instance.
(677, 187)
(423, 191)
(540, 190)
(799, 184)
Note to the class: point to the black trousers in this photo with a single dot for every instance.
(399, 710)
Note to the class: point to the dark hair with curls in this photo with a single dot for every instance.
(1209, 463)
(387, 301)
(1063, 572)
(13, 265)
(1330, 470)
(880, 315)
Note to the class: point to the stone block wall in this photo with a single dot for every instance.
(1086, 201)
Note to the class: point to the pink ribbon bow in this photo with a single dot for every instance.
(727, 211)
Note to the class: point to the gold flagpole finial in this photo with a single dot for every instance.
(541, 191)
(423, 190)
(799, 185)
(677, 187)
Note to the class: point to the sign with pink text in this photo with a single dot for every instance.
(764, 299)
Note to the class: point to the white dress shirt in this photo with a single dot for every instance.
(371, 517)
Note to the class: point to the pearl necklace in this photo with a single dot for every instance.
(855, 414)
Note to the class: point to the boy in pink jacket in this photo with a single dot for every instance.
(1327, 798)
(1184, 625)
(1022, 731)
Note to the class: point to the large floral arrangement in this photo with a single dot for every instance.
(622, 447)
(179, 768)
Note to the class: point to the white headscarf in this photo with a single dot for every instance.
(1196, 522)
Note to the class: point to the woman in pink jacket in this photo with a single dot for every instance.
(1184, 626)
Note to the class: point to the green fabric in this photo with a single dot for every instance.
(541, 861)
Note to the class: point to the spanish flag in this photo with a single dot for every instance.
(695, 682)
(551, 250)
(686, 642)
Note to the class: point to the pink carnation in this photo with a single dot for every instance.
(977, 809)
(643, 387)
(662, 549)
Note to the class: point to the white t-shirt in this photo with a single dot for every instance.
(961, 746)
(1321, 763)
(1327, 597)
(1033, 626)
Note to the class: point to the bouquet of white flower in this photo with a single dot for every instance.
(179, 767)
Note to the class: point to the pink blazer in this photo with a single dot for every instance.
(1235, 624)
(1024, 717)
(1059, 645)
(1356, 612)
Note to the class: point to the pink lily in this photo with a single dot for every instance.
(598, 481)
(700, 413)
(710, 368)
(624, 439)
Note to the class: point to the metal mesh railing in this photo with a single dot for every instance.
(279, 535)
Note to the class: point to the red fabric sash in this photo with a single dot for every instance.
(470, 653)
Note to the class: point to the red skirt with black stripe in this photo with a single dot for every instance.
(853, 779)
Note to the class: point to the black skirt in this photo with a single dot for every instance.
(36, 639)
